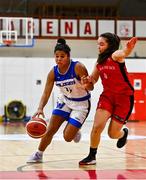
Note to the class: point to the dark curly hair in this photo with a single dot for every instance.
(62, 46)
(113, 41)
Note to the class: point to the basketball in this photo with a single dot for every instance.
(36, 127)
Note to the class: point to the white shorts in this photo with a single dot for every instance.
(75, 112)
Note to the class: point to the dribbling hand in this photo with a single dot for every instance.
(39, 113)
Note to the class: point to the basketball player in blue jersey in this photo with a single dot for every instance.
(73, 103)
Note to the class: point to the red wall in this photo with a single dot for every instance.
(138, 81)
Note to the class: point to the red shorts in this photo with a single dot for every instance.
(119, 105)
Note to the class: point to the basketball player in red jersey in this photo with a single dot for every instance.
(117, 99)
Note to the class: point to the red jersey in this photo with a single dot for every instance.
(114, 77)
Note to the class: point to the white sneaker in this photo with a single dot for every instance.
(35, 158)
(77, 137)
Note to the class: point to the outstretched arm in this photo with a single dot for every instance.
(120, 55)
(82, 72)
(92, 79)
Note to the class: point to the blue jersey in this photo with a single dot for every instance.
(69, 83)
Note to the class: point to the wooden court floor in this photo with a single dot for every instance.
(61, 158)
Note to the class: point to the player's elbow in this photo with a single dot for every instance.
(89, 87)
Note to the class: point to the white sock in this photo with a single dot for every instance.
(40, 152)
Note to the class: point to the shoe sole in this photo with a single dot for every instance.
(34, 161)
(89, 163)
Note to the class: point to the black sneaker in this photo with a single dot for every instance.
(123, 140)
(89, 160)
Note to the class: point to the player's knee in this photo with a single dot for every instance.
(67, 138)
(113, 134)
(97, 129)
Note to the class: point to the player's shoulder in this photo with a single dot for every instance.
(51, 73)
(75, 64)
(78, 64)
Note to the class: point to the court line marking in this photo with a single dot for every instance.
(58, 137)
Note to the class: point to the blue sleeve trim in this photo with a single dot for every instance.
(55, 72)
(73, 66)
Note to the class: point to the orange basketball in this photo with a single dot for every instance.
(36, 127)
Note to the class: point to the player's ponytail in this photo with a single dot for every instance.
(62, 46)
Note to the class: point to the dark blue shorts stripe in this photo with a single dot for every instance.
(61, 113)
(79, 99)
(74, 122)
